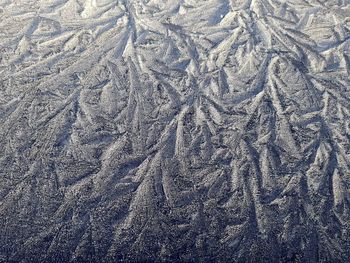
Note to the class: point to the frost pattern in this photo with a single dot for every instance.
(182, 131)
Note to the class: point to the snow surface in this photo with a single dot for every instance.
(175, 131)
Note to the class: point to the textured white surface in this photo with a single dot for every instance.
(182, 131)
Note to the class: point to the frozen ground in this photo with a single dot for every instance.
(174, 131)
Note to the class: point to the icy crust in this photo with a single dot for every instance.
(174, 131)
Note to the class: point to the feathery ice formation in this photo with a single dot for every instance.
(174, 131)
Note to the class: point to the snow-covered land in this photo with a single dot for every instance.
(174, 131)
